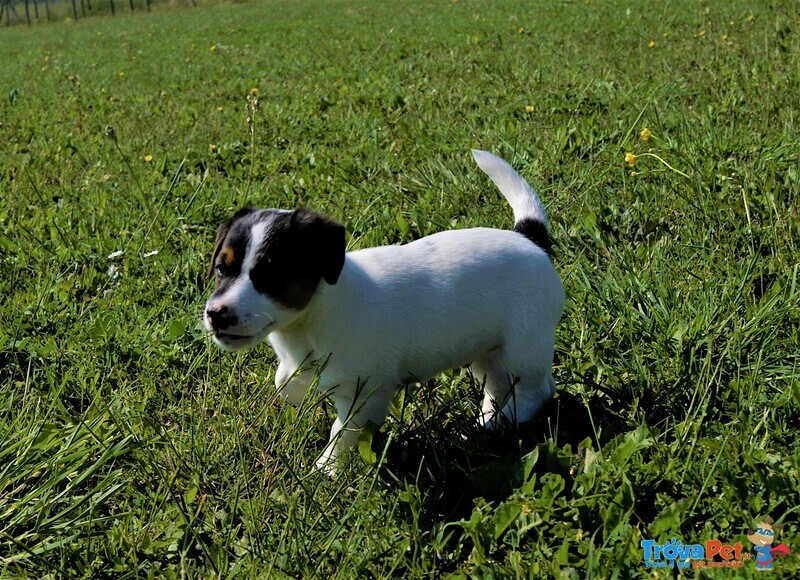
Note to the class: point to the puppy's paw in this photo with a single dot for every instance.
(493, 421)
(328, 465)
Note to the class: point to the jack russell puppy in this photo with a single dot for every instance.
(369, 321)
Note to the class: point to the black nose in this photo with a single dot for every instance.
(220, 318)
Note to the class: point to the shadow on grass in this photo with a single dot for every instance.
(454, 462)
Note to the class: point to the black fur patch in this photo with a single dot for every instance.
(237, 247)
(300, 249)
(536, 232)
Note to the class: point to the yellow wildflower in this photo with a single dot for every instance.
(212, 147)
(630, 159)
(651, 44)
(254, 91)
(148, 158)
(645, 134)
(529, 108)
(213, 48)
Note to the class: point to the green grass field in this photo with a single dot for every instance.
(131, 446)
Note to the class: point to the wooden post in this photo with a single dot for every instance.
(36, 9)
(111, 3)
(27, 13)
(47, 8)
(130, 3)
(9, 9)
(74, 10)
(83, 9)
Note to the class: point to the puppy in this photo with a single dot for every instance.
(372, 320)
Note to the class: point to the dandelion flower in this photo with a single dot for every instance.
(148, 158)
(750, 17)
(630, 159)
(254, 91)
(701, 33)
(213, 48)
(724, 37)
(220, 109)
(121, 74)
(529, 108)
(645, 134)
(212, 147)
(651, 44)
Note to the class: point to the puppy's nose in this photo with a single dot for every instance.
(220, 317)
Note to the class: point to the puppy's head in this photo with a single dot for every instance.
(268, 264)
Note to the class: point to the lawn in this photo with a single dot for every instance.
(663, 137)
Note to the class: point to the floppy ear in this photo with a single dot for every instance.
(223, 232)
(326, 239)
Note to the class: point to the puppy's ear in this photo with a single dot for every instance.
(222, 234)
(326, 242)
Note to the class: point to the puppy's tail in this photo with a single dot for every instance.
(530, 219)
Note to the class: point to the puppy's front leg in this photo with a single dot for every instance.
(351, 415)
(292, 383)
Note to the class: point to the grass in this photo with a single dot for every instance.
(130, 446)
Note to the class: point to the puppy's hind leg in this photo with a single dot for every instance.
(532, 389)
(497, 383)
(515, 389)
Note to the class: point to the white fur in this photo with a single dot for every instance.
(484, 297)
(521, 197)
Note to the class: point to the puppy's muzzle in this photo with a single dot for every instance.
(221, 318)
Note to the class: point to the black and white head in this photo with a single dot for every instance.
(268, 264)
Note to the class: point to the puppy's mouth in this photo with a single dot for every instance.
(231, 341)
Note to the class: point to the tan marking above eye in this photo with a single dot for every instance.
(225, 256)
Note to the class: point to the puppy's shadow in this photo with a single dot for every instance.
(454, 461)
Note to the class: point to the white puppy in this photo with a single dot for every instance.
(371, 320)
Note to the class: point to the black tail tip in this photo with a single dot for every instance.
(536, 232)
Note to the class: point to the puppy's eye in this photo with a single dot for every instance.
(220, 270)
